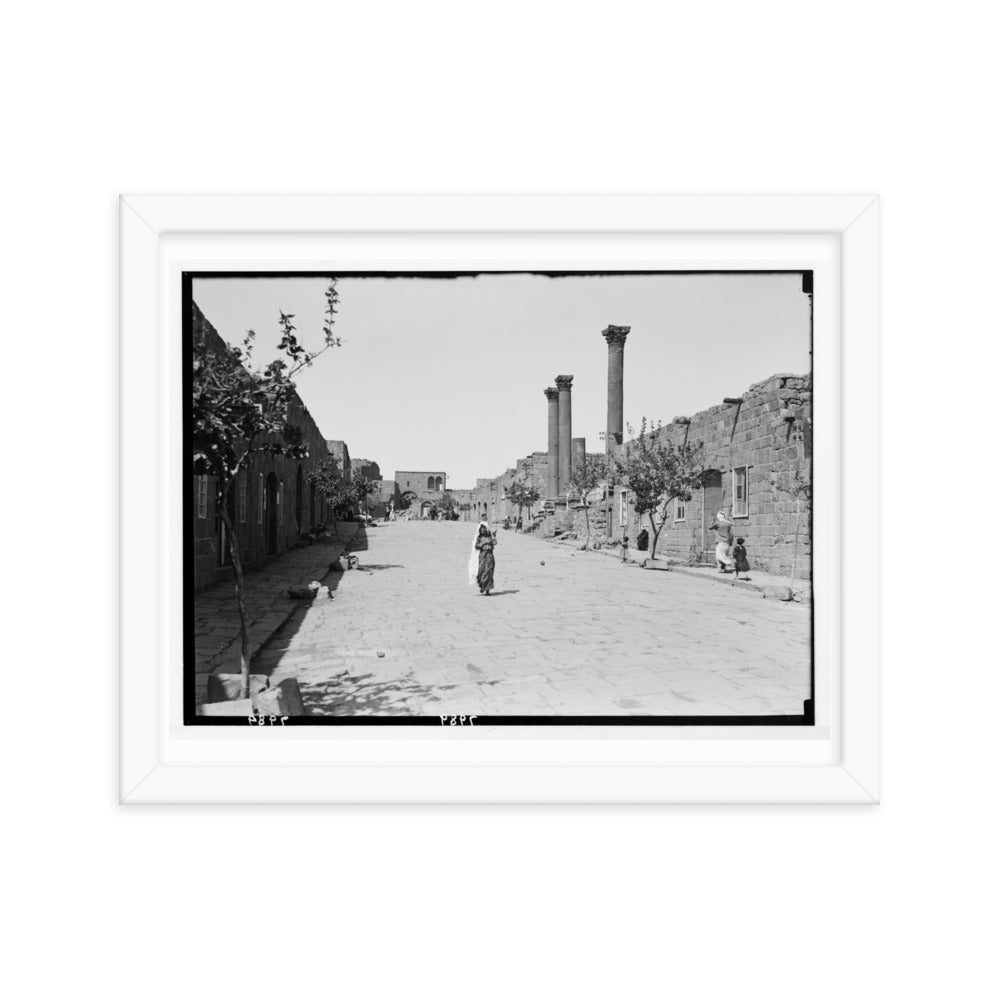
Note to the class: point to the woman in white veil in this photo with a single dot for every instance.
(481, 561)
(723, 529)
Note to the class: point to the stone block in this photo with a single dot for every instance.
(284, 699)
(243, 706)
(778, 593)
(657, 564)
(226, 686)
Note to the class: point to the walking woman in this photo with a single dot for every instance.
(481, 560)
(723, 529)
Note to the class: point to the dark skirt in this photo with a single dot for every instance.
(485, 575)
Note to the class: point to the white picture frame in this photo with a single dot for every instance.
(838, 761)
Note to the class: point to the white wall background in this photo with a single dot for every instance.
(898, 900)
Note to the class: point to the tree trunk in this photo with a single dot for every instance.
(656, 535)
(234, 552)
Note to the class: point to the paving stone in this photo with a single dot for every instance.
(579, 635)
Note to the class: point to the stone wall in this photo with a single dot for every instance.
(269, 504)
(768, 433)
(342, 454)
(365, 468)
(489, 496)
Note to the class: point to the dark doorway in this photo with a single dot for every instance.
(271, 513)
(711, 496)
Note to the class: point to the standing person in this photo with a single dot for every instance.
(723, 529)
(740, 557)
(481, 559)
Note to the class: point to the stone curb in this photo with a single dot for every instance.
(764, 589)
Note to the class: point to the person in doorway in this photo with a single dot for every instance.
(740, 558)
(482, 562)
(723, 529)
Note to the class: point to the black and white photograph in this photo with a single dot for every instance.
(498, 497)
(487, 500)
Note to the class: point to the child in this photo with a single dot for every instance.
(740, 557)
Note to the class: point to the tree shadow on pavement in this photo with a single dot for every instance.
(347, 694)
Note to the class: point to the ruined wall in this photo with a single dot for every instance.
(366, 468)
(270, 503)
(768, 432)
(342, 454)
(489, 496)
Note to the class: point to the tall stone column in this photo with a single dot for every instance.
(552, 480)
(564, 383)
(615, 336)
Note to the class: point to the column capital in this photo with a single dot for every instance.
(551, 394)
(615, 334)
(564, 382)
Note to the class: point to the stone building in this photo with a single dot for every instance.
(365, 468)
(270, 503)
(419, 490)
(757, 459)
(489, 498)
(339, 450)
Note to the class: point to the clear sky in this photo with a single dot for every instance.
(448, 374)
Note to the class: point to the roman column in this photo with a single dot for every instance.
(615, 336)
(564, 383)
(552, 395)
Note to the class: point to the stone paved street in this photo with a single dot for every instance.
(582, 634)
(216, 615)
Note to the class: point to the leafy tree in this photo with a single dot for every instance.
(446, 506)
(584, 479)
(522, 495)
(363, 489)
(658, 472)
(242, 410)
(328, 479)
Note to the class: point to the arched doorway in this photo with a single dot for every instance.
(425, 508)
(711, 503)
(271, 513)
